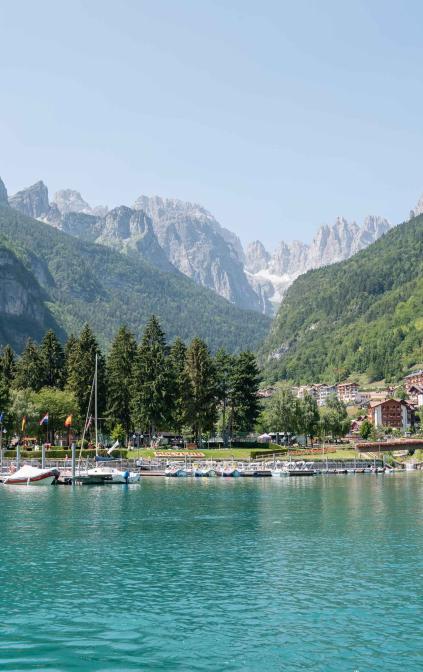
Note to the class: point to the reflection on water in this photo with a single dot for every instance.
(208, 574)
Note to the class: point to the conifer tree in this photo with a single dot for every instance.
(181, 387)
(29, 369)
(8, 364)
(70, 352)
(52, 360)
(202, 410)
(4, 398)
(223, 363)
(244, 384)
(120, 364)
(152, 381)
(80, 371)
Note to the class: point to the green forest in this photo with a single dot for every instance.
(148, 386)
(360, 316)
(49, 280)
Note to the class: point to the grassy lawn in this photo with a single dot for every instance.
(212, 453)
(348, 454)
(245, 453)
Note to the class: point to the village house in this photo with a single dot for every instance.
(415, 393)
(347, 392)
(414, 378)
(393, 413)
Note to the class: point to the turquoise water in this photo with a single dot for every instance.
(319, 573)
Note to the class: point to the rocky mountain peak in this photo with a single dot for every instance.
(69, 200)
(256, 256)
(32, 201)
(3, 193)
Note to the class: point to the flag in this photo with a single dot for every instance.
(88, 423)
(44, 420)
(24, 423)
(68, 421)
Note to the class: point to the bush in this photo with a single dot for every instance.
(58, 453)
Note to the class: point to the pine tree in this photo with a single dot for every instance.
(71, 347)
(4, 398)
(202, 411)
(120, 364)
(152, 381)
(244, 385)
(181, 384)
(80, 371)
(29, 368)
(8, 364)
(53, 361)
(224, 364)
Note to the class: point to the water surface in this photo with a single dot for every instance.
(319, 573)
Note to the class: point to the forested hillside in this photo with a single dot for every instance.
(69, 282)
(363, 315)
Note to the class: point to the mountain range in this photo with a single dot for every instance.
(50, 279)
(174, 235)
(363, 315)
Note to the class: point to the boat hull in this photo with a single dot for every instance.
(42, 478)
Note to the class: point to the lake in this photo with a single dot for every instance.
(321, 573)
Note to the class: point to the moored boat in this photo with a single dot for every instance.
(29, 475)
(113, 475)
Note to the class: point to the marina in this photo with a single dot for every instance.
(118, 471)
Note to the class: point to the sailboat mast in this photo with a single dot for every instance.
(95, 405)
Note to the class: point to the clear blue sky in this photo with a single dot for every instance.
(276, 116)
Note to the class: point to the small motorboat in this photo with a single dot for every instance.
(204, 473)
(29, 475)
(229, 473)
(175, 472)
(113, 475)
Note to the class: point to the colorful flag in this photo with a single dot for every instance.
(68, 421)
(44, 420)
(24, 423)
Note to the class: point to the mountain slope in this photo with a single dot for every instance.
(23, 311)
(87, 282)
(363, 315)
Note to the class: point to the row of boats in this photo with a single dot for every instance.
(106, 473)
(31, 475)
(282, 469)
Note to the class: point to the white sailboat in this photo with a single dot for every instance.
(103, 473)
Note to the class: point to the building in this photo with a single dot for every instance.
(306, 389)
(323, 392)
(393, 413)
(416, 395)
(347, 392)
(414, 378)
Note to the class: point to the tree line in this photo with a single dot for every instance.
(287, 414)
(150, 386)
